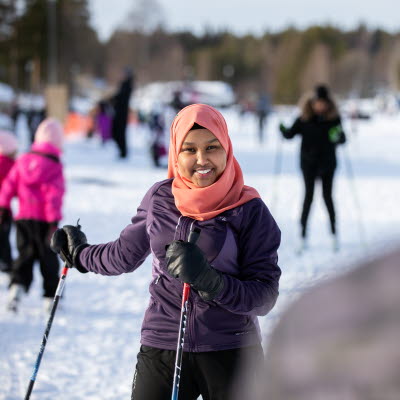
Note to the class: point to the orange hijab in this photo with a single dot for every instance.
(228, 191)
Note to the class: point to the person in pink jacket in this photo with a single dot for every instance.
(8, 151)
(37, 180)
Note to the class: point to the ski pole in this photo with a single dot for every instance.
(350, 175)
(277, 173)
(193, 236)
(59, 291)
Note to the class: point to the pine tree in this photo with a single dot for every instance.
(7, 18)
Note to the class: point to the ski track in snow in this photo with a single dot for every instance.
(92, 346)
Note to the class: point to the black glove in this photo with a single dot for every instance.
(68, 242)
(187, 263)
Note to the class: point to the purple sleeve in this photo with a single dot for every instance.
(127, 252)
(255, 290)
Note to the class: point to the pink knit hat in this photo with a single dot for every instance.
(8, 143)
(50, 131)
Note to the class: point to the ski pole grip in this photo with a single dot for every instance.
(194, 235)
(192, 238)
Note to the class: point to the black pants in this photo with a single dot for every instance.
(33, 244)
(5, 248)
(119, 136)
(310, 175)
(210, 374)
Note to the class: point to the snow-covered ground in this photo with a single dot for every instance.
(91, 352)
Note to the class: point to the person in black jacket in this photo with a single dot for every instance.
(320, 127)
(121, 112)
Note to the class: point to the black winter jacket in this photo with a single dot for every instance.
(318, 151)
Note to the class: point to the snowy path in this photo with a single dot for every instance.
(92, 347)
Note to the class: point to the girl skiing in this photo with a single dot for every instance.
(232, 269)
(320, 127)
(37, 181)
(8, 151)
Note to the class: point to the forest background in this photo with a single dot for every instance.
(359, 62)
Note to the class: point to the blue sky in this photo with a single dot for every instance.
(255, 16)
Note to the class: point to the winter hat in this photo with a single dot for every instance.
(50, 131)
(322, 92)
(8, 143)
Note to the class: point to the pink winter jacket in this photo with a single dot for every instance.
(5, 165)
(38, 182)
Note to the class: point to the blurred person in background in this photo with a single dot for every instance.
(340, 340)
(232, 269)
(263, 109)
(103, 119)
(37, 180)
(35, 116)
(8, 151)
(120, 103)
(177, 104)
(156, 125)
(321, 130)
(15, 111)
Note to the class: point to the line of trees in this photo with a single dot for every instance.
(285, 64)
(24, 42)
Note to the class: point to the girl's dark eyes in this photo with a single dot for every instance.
(193, 150)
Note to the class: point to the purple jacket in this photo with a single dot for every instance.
(37, 180)
(104, 125)
(242, 243)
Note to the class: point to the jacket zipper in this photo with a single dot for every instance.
(177, 226)
(184, 231)
(184, 228)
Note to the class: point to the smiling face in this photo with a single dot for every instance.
(202, 159)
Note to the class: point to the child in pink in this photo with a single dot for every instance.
(37, 180)
(8, 151)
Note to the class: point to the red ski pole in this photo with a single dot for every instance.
(61, 283)
(59, 291)
(193, 236)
